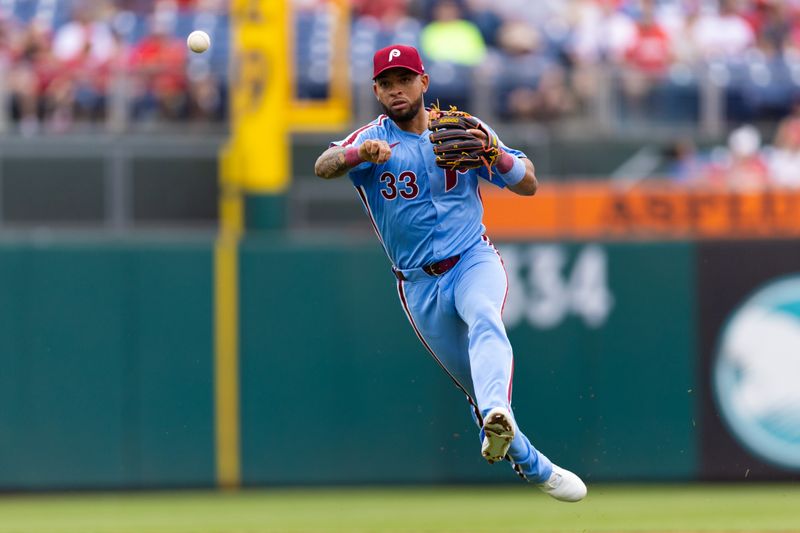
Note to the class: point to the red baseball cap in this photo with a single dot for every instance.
(396, 55)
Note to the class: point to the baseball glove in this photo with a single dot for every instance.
(457, 148)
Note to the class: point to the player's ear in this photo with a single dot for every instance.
(425, 82)
(375, 89)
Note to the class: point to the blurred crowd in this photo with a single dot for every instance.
(63, 62)
(547, 59)
(651, 59)
(744, 163)
(67, 62)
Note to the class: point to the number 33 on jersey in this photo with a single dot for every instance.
(439, 212)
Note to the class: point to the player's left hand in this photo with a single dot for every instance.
(485, 136)
(460, 141)
(480, 134)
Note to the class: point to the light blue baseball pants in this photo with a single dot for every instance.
(457, 317)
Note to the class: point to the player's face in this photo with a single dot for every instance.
(399, 92)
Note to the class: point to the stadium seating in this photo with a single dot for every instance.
(752, 87)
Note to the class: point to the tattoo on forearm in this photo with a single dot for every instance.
(331, 164)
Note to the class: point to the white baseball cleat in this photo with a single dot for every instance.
(564, 486)
(498, 432)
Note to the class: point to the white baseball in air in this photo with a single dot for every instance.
(198, 41)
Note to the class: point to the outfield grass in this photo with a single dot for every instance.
(742, 508)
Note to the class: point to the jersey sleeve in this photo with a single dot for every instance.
(494, 178)
(359, 172)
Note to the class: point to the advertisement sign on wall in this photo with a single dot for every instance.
(749, 313)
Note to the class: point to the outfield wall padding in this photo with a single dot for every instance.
(336, 387)
(106, 365)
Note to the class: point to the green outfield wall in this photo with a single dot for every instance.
(328, 355)
(106, 364)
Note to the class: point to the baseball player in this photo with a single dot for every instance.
(450, 278)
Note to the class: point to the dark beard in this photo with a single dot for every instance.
(413, 109)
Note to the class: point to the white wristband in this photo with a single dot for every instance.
(516, 174)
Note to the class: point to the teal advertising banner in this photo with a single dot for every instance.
(748, 301)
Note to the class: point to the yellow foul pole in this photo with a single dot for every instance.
(255, 160)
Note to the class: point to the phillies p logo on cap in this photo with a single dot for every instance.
(397, 56)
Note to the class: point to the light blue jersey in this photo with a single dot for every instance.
(423, 215)
(439, 210)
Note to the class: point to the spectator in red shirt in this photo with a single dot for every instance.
(387, 12)
(59, 80)
(647, 58)
(651, 49)
(377, 8)
(158, 66)
(33, 67)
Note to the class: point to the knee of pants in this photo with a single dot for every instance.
(484, 315)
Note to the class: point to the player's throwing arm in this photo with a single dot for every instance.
(338, 160)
